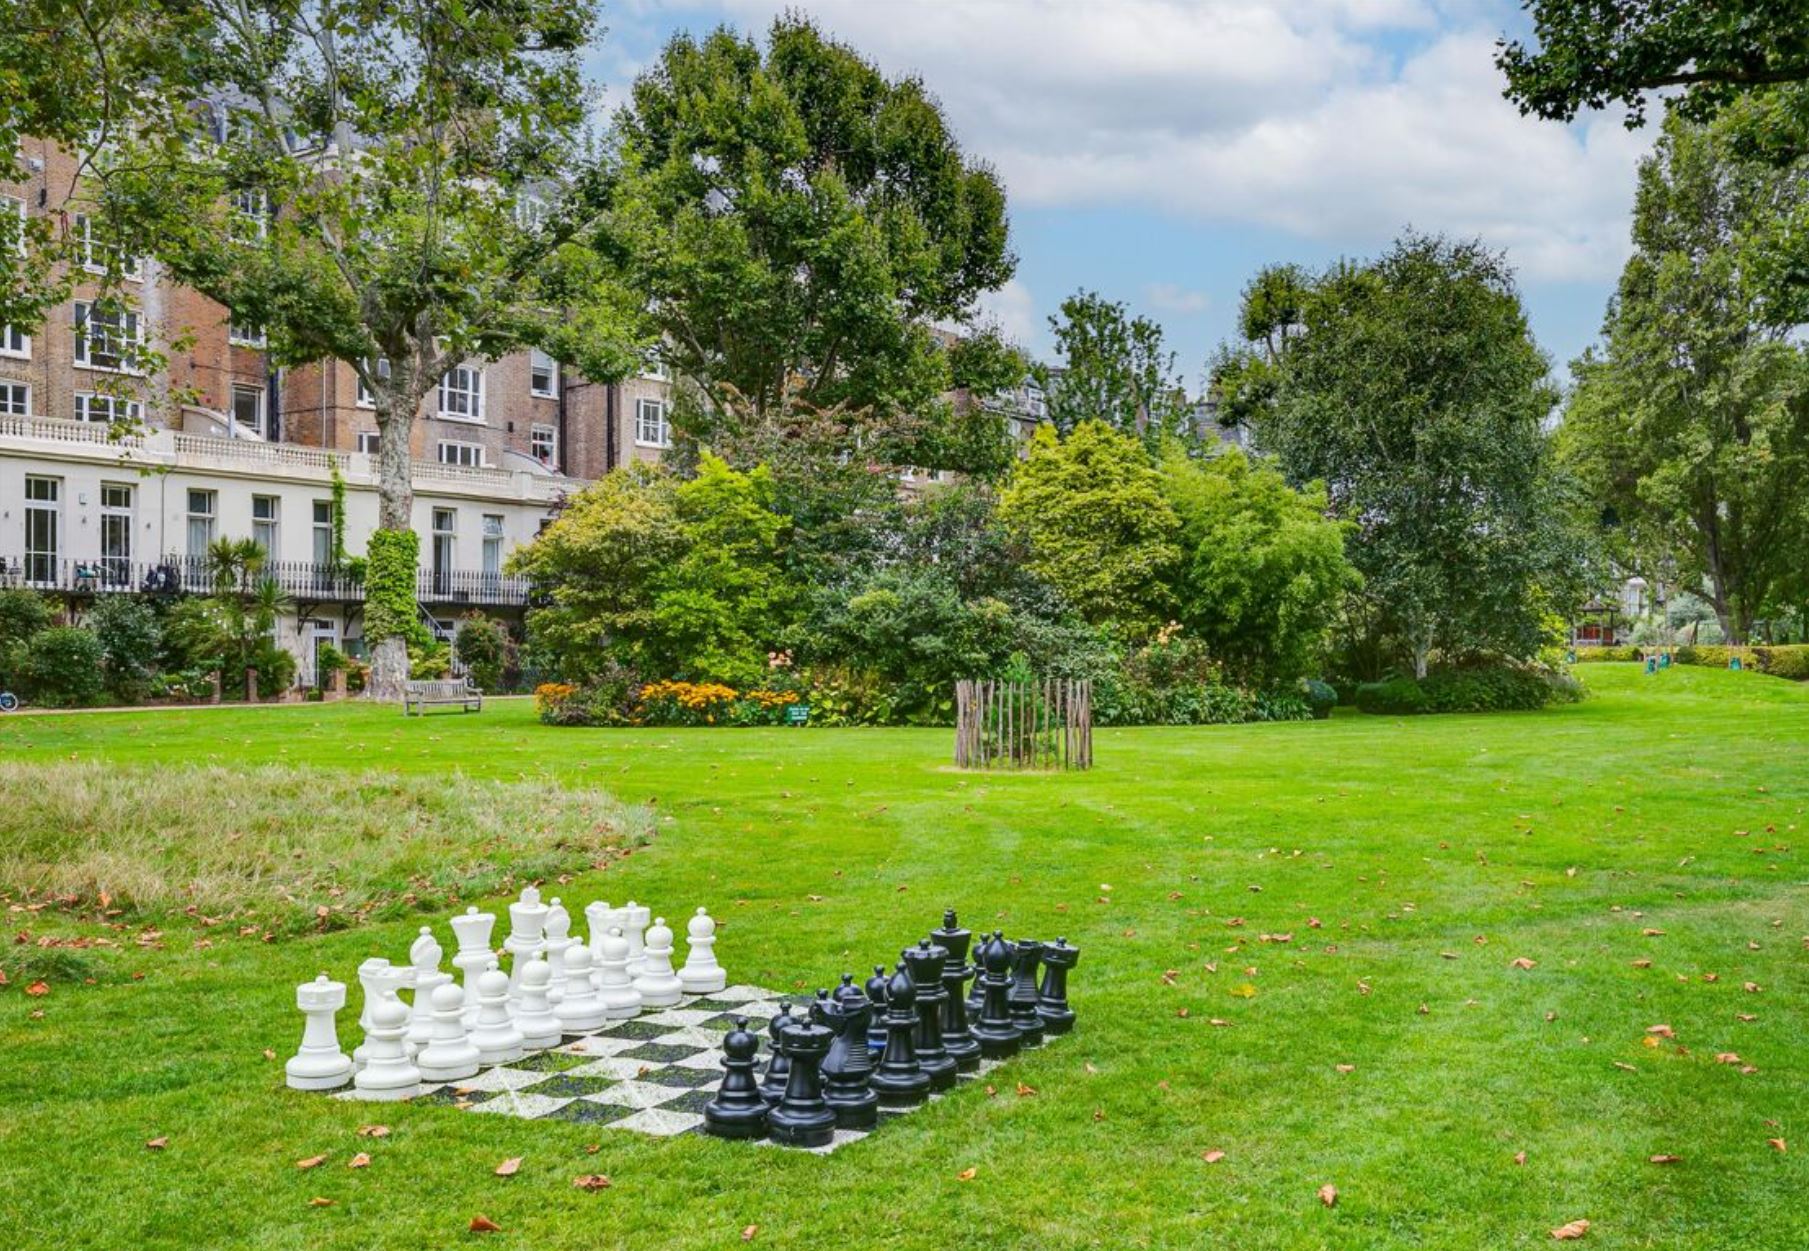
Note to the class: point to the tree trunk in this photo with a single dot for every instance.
(397, 403)
(1422, 650)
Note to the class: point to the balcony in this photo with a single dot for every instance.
(301, 580)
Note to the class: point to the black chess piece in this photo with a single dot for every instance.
(1025, 954)
(778, 1064)
(1052, 997)
(739, 1109)
(848, 1067)
(955, 1037)
(926, 963)
(803, 1118)
(997, 1036)
(876, 1023)
(899, 1081)
(954, 938)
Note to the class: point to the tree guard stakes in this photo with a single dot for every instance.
(1046, 723)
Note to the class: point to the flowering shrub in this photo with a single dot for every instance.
(710, 703)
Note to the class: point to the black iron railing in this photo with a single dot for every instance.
(299, 579)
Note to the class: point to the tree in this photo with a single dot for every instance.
(796, 222)
(1090, 512)
(1691, 427)
(1114, 370)
(395, 187)
(1263, 571)
(1412, 388)
(1747, 59)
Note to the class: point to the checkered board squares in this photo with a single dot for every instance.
(652, 1074)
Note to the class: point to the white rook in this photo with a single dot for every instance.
(319, 1064)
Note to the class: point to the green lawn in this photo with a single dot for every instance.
(1371, 881)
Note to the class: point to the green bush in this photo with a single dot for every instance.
(1586, 654)
(275, 668)
(483, 646)
(63, 667)
(1321, 697)
(1783, 661)
(1489, 688)
(22, 614)
(130, 641)
(429, 662)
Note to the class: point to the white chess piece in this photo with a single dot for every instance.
(377, 977)
(424, 956)
(615, 989)
(449, 1055)
(534, 1014)
(474, 954)
(658, 984)
(634, 920)
(599, 916)
(495, 1036)
(702, 975)
(558, 942)
(319, 1064)
(579, 1012)
(388, 1073)
(527, 922)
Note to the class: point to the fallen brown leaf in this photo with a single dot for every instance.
(1778, 1143)
(1662, 1031)
(748, 1232)
(1521, 962)
(1574, 1230)
(313, 1161)
(157, 1144)
(361, 1160)
(1328, 1195)
(509, 1167)
(37, 989)
(1213, 1157)
(1520, 1157)
(967, 1174)
(1025, 1088)
(591, 1181)
(481, 1224)
(1667, 1159)
(373, 1131)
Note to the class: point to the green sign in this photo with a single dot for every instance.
(798, 714)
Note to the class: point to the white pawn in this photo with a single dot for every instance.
(634, 929)
(615, 989)
(579, 1012)
(424, 956)
(449, 1055)
(319, 1064)
(496, 1038)
(377, 977)
(388, 1073)
(534, 1014)
(599, 916)
(558, 942)
(658, 984)
(702, 975)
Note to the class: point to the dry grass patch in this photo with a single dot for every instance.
(284, 843)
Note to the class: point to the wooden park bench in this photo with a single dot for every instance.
(420, 696)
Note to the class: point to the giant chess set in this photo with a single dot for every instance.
(608, 1032)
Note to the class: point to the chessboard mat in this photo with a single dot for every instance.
(652, 1073)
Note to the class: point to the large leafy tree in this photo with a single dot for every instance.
(1748, 59)
(1090, 512)
(1691, 427)
(1412, 388)
(1263, 573)
(396, 187)
(796, 222)
(1114, 369)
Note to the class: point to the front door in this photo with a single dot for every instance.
(317, 633)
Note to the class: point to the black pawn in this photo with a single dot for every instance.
(778, 1065)
(926, 964)
(1025, 955)
(848, 1067)
(899, 1081)
(738, 1110)
(1052, 997)
(802, 1117)
(997, 1036)
(876, 1023)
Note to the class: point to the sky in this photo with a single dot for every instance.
(1160, 152)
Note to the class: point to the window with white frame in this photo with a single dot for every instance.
(264, 514)
(107, 336)
(655, 368)
(250, 214)
(470, 455)
(462, 393)
(248, 408)
(493, 544)
(202, 513)
(651, 429)
(15, 342)
(369, 441)
(244, 333)
(15, 399)
(91, 240)
(323, 532)
(116, 531)
(543, 374)
(43, 526)
(543, 442)
(381, 369)
(111, 409)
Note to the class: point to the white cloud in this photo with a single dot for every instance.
(1299, 115)
(1013, 309)
(1168, 297)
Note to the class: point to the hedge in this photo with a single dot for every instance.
(1785, 661)
(1585, 654)
(1497, 688)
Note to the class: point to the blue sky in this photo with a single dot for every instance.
(1160, 151)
